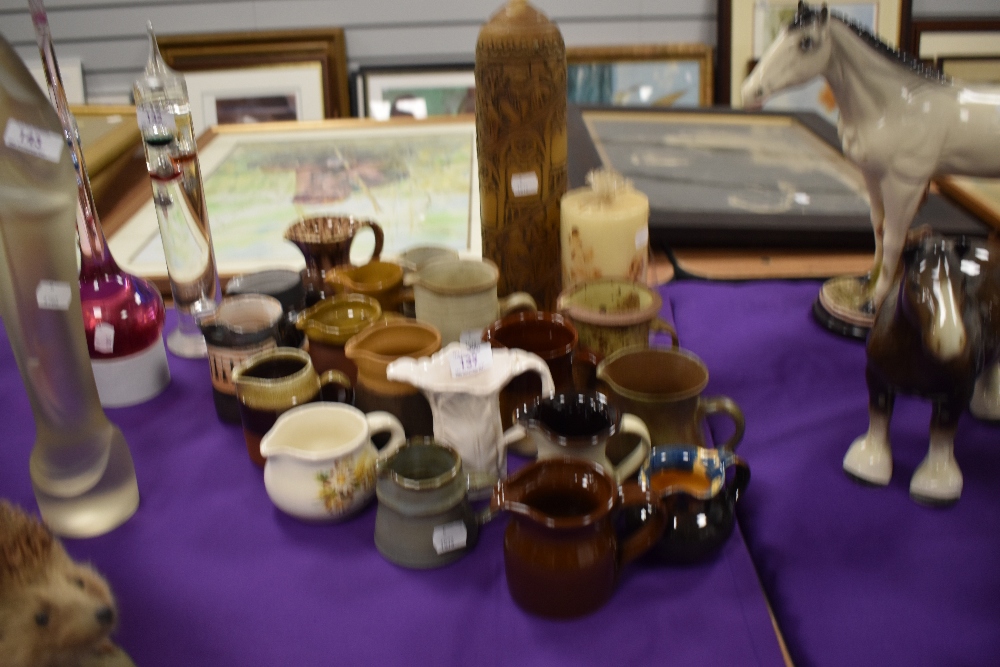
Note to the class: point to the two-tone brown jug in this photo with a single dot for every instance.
(561, 553)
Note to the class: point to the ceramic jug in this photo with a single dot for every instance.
(562, 555)
(466, 407)
(662, 386)
(698, 501)
(372, 350)
(424, 519)
(285, 286)
(325, 242)
(613, 313)
(578, 426)
(382, 281)
(321, 460)
(330, 323)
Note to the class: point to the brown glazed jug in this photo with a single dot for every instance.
(561, 553)
(521, 140)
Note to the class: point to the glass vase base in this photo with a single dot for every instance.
(101, 509)
(133, 379)
(187, 345)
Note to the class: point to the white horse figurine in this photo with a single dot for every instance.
(900, 123)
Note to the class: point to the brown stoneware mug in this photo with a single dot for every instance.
(325, 242)
(329, 324)
(562, 555)
(662, 386)
(382, 281)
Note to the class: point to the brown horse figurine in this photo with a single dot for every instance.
(936, 331)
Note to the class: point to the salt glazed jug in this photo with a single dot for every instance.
(466, 408)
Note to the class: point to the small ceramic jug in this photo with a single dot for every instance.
(578, 426)
(330, 323)
(466, 407)
(662, 386)
(321, 460)
(697, 500)
(424, 519)
(382, 281)
(274, 381)
(613, 313)
(372, 350)
(325, 242)
(285, 286)
(239, 328)
(561, 552)
(460, 295)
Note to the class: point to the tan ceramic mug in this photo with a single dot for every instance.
(613, 313)
(382, 281)
(459, 295)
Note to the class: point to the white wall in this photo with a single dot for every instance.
(109, 35)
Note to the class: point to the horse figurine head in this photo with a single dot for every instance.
(933, 336)
(799, 53)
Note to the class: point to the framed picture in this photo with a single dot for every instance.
(979, 195)
(417, 179)
(747, 27)
(255, 95)
(417, 92)
(238, 50)
(112, 148)
(967, 48)
(729, 178)
(666, 75)
(70, 72)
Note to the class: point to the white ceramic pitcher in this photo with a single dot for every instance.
(466, 408)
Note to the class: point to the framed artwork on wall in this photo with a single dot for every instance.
(966, 48)
(239, 50)
(417, 92)
(661, 75)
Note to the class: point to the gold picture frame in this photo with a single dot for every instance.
(235, 50)
(981, 196)
(651, 74)
(417, 179)
(112, 149)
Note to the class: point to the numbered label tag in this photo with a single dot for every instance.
(471, 338)
(150, 117)
(449, 537)
(104, 338)
(469, 360)
(524, 184)
(642, 238)
(53, 295)
(33, 140)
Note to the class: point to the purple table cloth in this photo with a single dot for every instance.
(856, 575)
(208, 572)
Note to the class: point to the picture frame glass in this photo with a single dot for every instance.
(656, 83)
(419, 93)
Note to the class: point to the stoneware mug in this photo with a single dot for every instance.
(662, 386)
(321, 460)
(330, 323)
(274, 381)
(460, 295)
(578, 426)
(382, 281)
(424, 519)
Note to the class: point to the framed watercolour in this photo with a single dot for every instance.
(728, 178)
(239, 50)
(747, 27)
(417, 179)
(966, 48)
(417, 92)
(664, 75)
(255, 95)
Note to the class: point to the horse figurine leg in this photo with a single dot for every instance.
(900, 198)
(985, 402)
(938, 479)
(869, 458)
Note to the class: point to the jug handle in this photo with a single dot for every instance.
(660, 325)
(585, 363)
(736, 486)
(652, 528)
(335, 377)
(527, 361)
(724, 404)
(516, 301)
(630, 464)
(379, 237)
(379, 421)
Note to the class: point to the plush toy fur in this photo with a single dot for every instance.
(53, 612)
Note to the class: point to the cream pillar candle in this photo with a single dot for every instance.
(604, 230)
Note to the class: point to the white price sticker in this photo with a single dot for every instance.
(33, 140)
(470, 360)
(150, 117)
(641, 238)
(524, 184)
(471, 338)
(53, 295)
(449, 537)
(104, 338)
